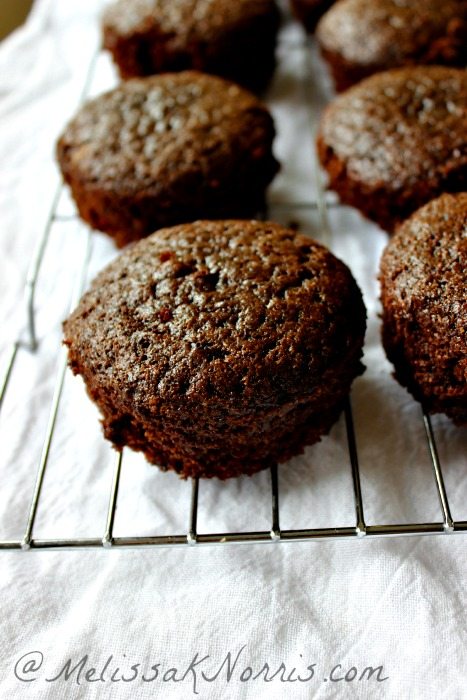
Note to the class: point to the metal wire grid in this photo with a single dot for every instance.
(192, 537)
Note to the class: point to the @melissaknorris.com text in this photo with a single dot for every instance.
(201, 669)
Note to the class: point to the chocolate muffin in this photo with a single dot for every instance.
(397, 140)
(361, 37)
(235, 40)
(310, 11)
(219, 348)
(424, 295)
(167, 149)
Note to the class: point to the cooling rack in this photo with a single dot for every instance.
(27, 343)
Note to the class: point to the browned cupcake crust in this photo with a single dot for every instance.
(397, 140)
(167, 149)
(424, 295)
(233, 39)
(361, 37)
(219, 348)
(310, 11)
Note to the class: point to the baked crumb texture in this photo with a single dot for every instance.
(424, 296)
(167, 149)
(362, 37)
(219, 348)
(397, 140)
(235, 39)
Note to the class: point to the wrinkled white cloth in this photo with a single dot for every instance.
(352, 604)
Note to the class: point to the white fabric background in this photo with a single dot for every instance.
(400, 603)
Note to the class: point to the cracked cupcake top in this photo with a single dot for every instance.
(392, 32)
(401, 126)
(425, 265)
(193, 19)
(240, 311)
(151, 131)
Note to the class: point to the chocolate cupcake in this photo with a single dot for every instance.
(424, 295)
(310, 11)
(219, 348)
(361, 37)
(397, 140)
(235, 40)
(168, 149)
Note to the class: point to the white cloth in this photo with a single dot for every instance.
(398, 603)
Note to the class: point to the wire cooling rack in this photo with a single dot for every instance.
(27, 343)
